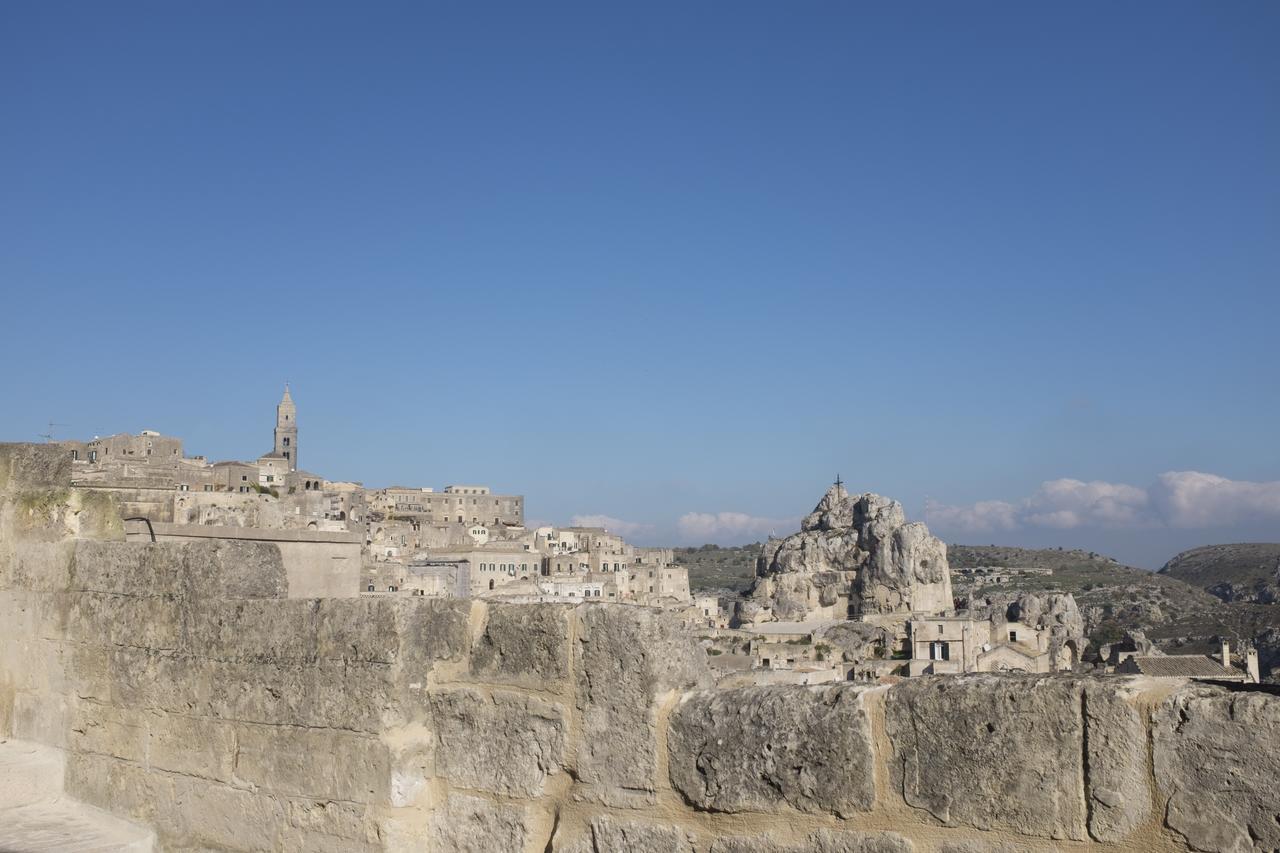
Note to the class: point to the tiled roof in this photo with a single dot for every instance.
(1186, 666)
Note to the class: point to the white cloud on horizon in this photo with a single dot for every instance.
(613, 525)
(713, 526)
(1182, 499)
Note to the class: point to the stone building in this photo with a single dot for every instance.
(1195, 667)
(454, 505)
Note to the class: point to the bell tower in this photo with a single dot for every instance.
(287, 429)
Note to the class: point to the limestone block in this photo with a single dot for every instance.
(473, 825)
(192, 746)
(256, 630)
(40, 717)
(323, 694)
(992, 752)
(1217, 760)
(317, 763)
(1116, 760)
(353, 630)
(108, 730)
(362, 630)
(610, 834)
(38, 566)
(33, 466)
(149, 622)
(329, 827)
(205, 569)
(971, 846)
(526, 644)
(431, 630)
(502, 743)
(625, 658)
(822, 841)
(186, 813)
(769, 748)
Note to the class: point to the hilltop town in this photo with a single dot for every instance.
(858, 594)
(461, 541)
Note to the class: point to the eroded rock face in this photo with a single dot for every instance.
(767, 748)
(523, 644)
(992, 752)
(627, 658)
(503, 743)
(1119, 795)
(852, 556)
(1216, 760)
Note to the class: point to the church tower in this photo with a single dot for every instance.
(287, 429)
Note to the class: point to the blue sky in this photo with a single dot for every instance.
(671, 264)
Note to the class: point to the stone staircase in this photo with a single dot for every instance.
(36, 815)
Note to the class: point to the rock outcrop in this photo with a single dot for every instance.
(854, 556)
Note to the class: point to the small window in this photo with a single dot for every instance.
(393, 589)
(1013, 636)
(371, 588)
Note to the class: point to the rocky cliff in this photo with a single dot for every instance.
(854, 556)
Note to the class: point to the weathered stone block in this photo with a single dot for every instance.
(625, 659)
(473, 825)
(315, 763)
(33, 466)
(186, 813)
(1116, 760)
(524, 644)
(108, 730)
(610, 834)
(1216, 760)
(770, 748)
(993, 752)
(822, 841)
(503, 743)
(147, 622)
(192, 746)
(206, 569)
(38, 567)
(431, 630)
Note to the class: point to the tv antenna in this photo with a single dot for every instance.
(48, 436)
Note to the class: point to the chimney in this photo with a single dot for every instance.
(1251, 666)
(1226, 655)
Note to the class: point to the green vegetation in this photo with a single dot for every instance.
(712, 567)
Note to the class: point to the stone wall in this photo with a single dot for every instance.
(191, 695)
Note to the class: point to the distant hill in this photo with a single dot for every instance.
(1113, 597)
(713, 567)
(1242, 572)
